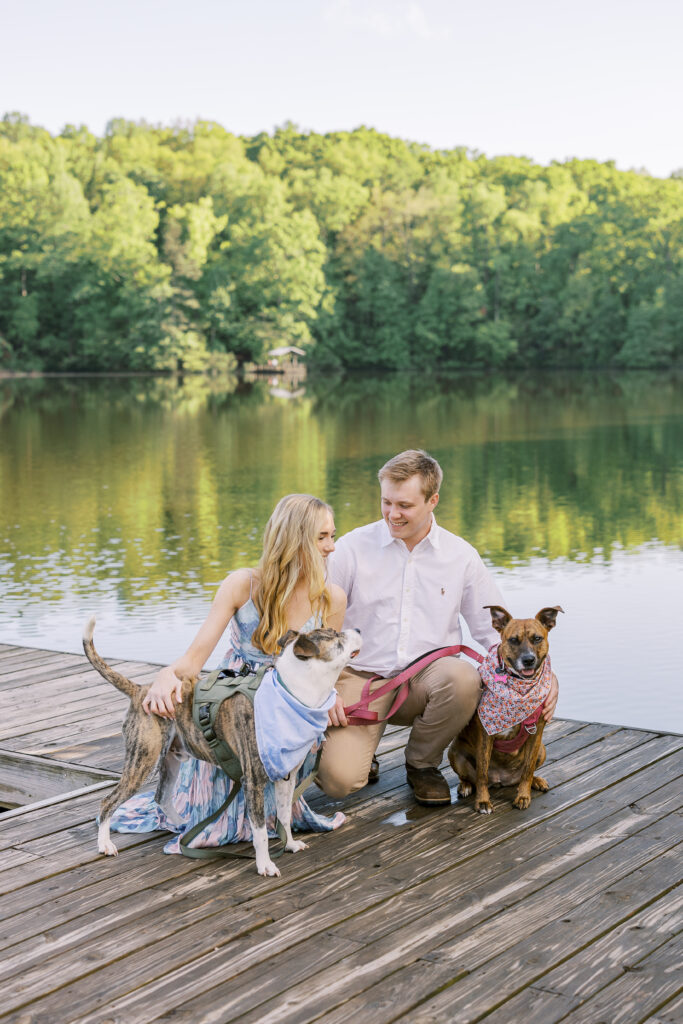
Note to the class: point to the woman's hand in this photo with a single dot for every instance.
(166, 690)
(160, 696)
(551, 700)
(336, 716)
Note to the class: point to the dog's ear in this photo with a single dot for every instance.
(305, 648)
(499, 616)
(548, 616)
(290, 635)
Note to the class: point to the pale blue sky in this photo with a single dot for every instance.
(545, 79)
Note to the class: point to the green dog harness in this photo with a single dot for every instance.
(209, 694)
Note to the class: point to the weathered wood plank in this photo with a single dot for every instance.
(25, 778)
(198, 978)
(61, 666)
(71, 668)
(352, 839)
(9, 666)
(69, 716)
(391, 904)
(528, 960)
(276, 905)
(85, 678)
(473, 935)
(104, 753)
(47, 821)
(639, 992)
(10, 660)
(78, 814)
(588, 971)
(79, 677)
(178, 924)
(669, 1013)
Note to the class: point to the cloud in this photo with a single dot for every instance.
(386, 18)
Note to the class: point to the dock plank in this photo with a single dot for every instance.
(588, 972)
(405, 912)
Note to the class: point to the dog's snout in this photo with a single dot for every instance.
(528, 660)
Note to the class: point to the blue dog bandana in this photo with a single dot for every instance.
(286, 729)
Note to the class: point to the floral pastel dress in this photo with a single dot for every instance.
(202, 787)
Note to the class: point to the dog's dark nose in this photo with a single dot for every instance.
(528, 660)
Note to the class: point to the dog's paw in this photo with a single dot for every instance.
(106, 847)
(464, 790)
(538, 783)
(483, 807)
(521, 801)
(295, 846)
(268, 869)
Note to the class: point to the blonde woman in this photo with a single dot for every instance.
(287, 590)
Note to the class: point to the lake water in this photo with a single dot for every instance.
(131, 498)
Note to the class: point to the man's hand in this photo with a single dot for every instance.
(335, 715)
(551, 700)
(161, 694)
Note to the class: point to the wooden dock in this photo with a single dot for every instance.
(567, 912)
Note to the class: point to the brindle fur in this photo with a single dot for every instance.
(152, 740)
(472, 754)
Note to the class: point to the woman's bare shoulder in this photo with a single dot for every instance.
(239, 585)
(337, 598)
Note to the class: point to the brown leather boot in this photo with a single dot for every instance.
(429, 786)
(373, 774)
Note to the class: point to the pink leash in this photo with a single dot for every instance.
(360, 714)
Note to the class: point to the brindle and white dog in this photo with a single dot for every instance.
(309, 666)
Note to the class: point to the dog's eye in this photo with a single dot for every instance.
(537, 639)
(514, 640)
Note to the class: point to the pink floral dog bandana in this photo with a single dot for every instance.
(507, 700)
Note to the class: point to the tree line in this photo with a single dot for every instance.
(187, 247)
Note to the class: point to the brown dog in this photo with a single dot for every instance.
(473, 755)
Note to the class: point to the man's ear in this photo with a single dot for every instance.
(433, 501)
(305, 648)
(499, 616)
(548, 616)
(290, 635)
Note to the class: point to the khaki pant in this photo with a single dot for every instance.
(441, 700)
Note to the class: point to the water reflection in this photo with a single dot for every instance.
(135, 496)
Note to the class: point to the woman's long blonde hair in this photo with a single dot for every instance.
(290, 552)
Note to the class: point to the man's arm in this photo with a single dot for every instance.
(480, 589)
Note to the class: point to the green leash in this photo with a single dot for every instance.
(208, 696)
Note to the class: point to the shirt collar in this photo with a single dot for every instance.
(432, 536)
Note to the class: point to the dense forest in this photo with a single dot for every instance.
(158, 248)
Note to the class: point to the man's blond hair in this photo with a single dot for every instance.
(414, 462)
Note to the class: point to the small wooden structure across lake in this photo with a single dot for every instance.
(567, 912)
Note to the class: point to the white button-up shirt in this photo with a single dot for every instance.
(406, 603)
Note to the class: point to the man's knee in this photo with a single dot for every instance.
(339, 780)
(458, 682)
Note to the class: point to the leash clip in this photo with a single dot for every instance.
(531, 729)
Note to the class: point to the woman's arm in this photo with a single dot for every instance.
(335, 619)
(231, 595)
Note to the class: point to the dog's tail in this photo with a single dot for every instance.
(126, 686)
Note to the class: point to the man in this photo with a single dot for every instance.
(407, 581)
